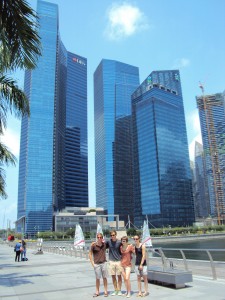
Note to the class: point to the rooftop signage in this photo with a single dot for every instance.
(79, 61)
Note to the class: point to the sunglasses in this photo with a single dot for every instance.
(113, 235)
(135, 239)
(99, 237)
(124, 241)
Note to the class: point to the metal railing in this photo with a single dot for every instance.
(206, 263)
(202, 262)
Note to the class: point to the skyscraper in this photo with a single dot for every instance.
(53, 152)
(212, 121)
(202, 207)
(114, 83)
(162, 178)
(76, 152)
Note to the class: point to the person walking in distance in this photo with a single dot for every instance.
(17, 250)
(141, 269)
(115, 268)
(97, 251)
(126, 252)
(24, 251)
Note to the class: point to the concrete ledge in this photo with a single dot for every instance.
(178, 278)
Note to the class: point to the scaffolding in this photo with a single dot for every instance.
(207, 103)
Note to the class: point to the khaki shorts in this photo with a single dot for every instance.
(142, 272)
(101, 270)
(115, 268)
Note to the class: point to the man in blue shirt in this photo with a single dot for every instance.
(115, 268)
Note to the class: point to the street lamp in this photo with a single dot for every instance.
(37, 227)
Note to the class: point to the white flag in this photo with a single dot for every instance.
(99, 230)
(79, 237)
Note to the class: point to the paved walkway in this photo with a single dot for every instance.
(57, 277)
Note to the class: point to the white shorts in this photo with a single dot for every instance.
(101, 270)
(142, 272)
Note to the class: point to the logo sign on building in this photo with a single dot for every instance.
(79, 61)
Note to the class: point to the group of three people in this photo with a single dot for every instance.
(120, 257)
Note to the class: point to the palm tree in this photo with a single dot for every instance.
(7, 158)
(20, 47)
(19, 39)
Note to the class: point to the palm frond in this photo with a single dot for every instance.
(19, 39)
(12, 99)
(6, 157)
(3, 194)
(3, 117)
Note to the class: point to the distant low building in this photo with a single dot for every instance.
(87, 218)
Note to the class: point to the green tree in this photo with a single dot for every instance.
(131, 231)
(70, 232)
(87, 235)
(20, 47)
(106, 232)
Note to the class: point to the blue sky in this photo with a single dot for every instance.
(152, 35)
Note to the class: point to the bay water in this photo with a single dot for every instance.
(213, 244)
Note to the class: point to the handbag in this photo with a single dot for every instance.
(21, 249)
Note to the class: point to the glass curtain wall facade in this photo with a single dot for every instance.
(162, 177)
(212, 121)
(202, 207)
(76, 156)
(43, 161)
(114, 83)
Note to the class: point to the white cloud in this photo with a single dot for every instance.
(11, 139)
(194, 124)
(124, 20)
(181, 63)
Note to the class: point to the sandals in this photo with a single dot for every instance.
(145, 294)
(139, 295)
(95, 295)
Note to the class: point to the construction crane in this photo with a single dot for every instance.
(217, 180)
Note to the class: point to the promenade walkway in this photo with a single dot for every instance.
(53, 276)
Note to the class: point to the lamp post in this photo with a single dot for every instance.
(37, 227)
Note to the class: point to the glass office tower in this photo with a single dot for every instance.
(212, 121)
(162, 178)
(53, 148)
(202, 207)
(76, 155)
(114, 82)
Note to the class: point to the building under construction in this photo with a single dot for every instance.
(212, 120)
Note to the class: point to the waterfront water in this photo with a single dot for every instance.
(215, 243)
(209, 243)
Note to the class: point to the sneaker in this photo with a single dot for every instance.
(114, 293)
(128, 295)
(119, 293)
